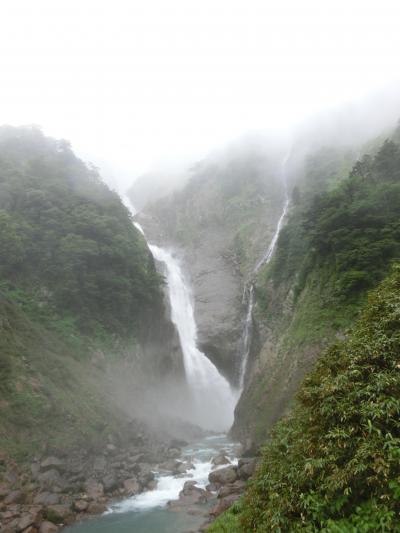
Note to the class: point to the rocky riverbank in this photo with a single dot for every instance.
(59, 488)
(227, 483)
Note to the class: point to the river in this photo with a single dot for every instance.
(148, 512)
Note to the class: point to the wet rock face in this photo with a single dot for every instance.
(216, 285)
(218, 309)
(220, 224)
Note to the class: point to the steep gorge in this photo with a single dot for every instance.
(219, 224)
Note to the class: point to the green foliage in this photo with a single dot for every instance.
(46, 395)
(352, 230)
(70, 254)
(333, 464)
(324, 169)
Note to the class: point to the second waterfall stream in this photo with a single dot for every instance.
(265, 259)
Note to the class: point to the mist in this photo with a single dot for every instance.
(136, 84)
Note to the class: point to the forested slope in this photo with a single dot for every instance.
(79, 296)
(333, 464)
(67, 242)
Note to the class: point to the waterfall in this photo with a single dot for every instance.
(248, 327)
(270, 250)
(265, 259)
(212, 400)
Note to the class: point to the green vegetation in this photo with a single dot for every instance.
(330, 465)
(46, 396)
(229, 522)
(336, 246)
(70, 255)
(357, 226)
(343, 240)
(78, 290)
(333, 464)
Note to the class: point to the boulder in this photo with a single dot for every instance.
(189, 495)
(223, 504)
(48, 527)
(50, 479)
(52, 463)
(96, 508)
(10, 527)
(220, 460)
(110, 483)
(131, 486)
(4, 490)
(223, 476)
(182, 468)
(59, 513)
(35, 469)
(246, 468)
(100, 464)
(212, 487)
(11, 475)
(145, 474)
(93, 489)
(152, 485)
(173, 453)
(177, 443)
(46, 498)
(26, 520)
(80, 506)
(15, 496)
(232, 488)
(138, 458)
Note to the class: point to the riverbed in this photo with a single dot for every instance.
(149, 513)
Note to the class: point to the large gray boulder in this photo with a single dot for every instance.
(223, 476)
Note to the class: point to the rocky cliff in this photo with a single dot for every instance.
(220, 225)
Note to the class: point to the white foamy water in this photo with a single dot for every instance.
(168, 489)
(169, 486)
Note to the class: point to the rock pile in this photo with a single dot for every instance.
(59, 489)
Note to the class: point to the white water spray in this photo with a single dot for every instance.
(212, 399)
(266, 258)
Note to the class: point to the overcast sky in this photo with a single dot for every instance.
(132, 83)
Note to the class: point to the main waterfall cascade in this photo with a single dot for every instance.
(212, 400)
(266, 258)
